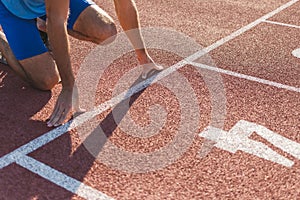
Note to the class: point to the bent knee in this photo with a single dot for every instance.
(106, 35)
(46, 83)
(41, 71)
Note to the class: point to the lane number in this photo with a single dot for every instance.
(238, 139)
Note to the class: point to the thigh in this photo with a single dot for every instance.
(22, 35)
(90, 20)
(76, 8)
(28, 48)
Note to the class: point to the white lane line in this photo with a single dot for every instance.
(282, 24)
(33, 145)
(48, 137)
(57, 132)
(296, 53)
(247, 77)
(60, 179)
(243, 30)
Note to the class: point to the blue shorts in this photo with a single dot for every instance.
(22, 34)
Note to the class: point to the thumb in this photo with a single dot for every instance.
(75, 101)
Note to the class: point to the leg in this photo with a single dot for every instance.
(97, 26)
(86, 22)
(26, 53)
(89, 22)
(41, 71)
(10, 57)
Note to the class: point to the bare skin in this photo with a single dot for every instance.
(93, 25)
(129, 20)
(10, 58)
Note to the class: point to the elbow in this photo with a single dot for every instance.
(56, 24)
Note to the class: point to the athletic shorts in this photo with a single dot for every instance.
(23, 35)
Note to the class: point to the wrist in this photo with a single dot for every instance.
(142, 56)
(68, 84)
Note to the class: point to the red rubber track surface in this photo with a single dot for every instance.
(263, 52)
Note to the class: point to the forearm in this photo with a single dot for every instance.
(58, 37)
(128, 16)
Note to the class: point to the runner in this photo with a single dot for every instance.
(24, 50)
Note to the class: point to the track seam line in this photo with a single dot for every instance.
(55, 133)
(246, 77)
(61, 179)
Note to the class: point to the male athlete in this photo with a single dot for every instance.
(25, 52)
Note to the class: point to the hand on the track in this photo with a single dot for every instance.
(62, 107)
(149, 67)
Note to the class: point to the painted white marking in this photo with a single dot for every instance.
(296, 53)
(33, 145)
(282, 24)
(52, 135)
(243, 29)
(238, 139)
(60, 179)
(247, 77)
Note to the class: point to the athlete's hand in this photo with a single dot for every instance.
(62, 108)
(67, 99)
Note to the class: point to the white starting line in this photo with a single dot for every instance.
(60, 179)
(20, 157)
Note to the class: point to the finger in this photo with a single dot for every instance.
(56, 117)
(54, 113)
(62, 118)
(149, 69)
(76, 106)
(55, 110)
(149, 73)
(75, 101)
(77, 113)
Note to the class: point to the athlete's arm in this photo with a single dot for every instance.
(128, 16)
(129, 20)
(57, 15)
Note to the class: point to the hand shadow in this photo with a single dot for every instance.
(77, 163)
(18, 104)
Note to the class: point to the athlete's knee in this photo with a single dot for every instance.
(47, 83)
(41, 71)
(107, 34)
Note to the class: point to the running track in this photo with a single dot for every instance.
(239, 117)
